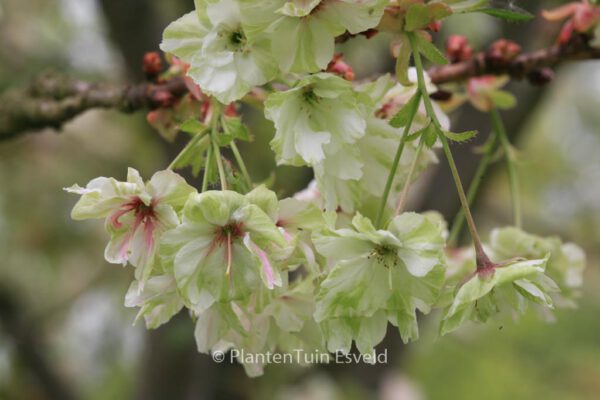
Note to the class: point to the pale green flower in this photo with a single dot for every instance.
(297, 220)
(136, 214)
(158, 300)
(223, 61)
(499, 289)
(321, 114)
(394, 271)
(375, 151)
(226, 247)
(566, 261)
(284, 323)
(303, 31)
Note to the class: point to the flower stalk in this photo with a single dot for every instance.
(407, 184)
(193, 141)
(488, 152)
(513, 177)
(241, 164)
(396, 162)
(214, 126)
(482, 259)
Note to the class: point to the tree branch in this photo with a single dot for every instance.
(54, 99)
(578, 48)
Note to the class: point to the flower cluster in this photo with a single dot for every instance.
(336, 263)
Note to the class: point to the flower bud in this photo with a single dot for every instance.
(458, 48)
(152, 65)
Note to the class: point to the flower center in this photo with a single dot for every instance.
(235, 40)
(225, 235)
(232, 230)
(143, 213)
(309, 95)
(384, 255)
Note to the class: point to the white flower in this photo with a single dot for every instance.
(224, 62)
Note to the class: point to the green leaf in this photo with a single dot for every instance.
(460, 137)
(438, 11)
(193, 155)
(235, 127)
(511, 13)
(403, 115)
(430, 135)
(417, 134)
(502, 99)
(417, 17)
(430, 51)
(403, 62)
(192, 126)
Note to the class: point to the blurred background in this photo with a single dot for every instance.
(64, 332)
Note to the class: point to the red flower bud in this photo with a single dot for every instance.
(503, 51)
(339, 67)
(230, 110)
(163, 98)
(435, 26)
(152, 64)
(458, 48)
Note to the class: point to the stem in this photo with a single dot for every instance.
(207, 168)
(486, 160)
(214, 125)
(241, 164)
(193, 141)
(510, 165)
(217, 154)
(396, 162)
(482, 259)
(411, 171)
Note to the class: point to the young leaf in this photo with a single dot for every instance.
(234, 127)
(401, 118)
(502, 99)
(192, 126)
(511, 13)
(403, 62)
(439, 10)
(460, 137)
(430, 51)
(430, 135)
(193, 155)
(417, 134)
(417, 17)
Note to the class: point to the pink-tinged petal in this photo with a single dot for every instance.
(560, 13)
(194, 89)
(114, 217)
(267, 268)
(124, 248)
(585, 18)
(124, 251)
(565, 33)
(308, 254)
(287, 236)
(149, 228)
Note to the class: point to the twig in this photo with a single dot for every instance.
(54, 99)
(578, 48)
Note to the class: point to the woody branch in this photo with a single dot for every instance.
(54, 99)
